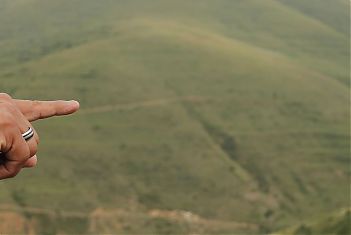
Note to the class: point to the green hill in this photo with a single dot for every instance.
(336, 223)
(234, 114)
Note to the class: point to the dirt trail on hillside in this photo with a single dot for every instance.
(100, 217)
(108, 220)
(191, 218)
(144, 104)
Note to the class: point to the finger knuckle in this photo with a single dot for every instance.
(36, 108)
(26, 153)
(7, 120)
(36, 104)
(33, 150)
(12, 173)
(8, 107)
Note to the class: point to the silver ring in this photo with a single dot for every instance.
(28, 134)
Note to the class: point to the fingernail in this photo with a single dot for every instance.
(73, 102)
(76, 103)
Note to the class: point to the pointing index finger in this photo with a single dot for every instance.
(34, 110)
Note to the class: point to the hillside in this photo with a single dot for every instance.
(233, 112)
(336, 223)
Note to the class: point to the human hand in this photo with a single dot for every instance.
(15, 118)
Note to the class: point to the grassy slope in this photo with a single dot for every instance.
(261, 135)
(336, 223)
(330, 13)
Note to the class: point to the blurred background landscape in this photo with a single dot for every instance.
(197, 117)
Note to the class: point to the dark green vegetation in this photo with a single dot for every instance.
(235, 111)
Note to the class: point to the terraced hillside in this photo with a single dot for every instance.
(197, 116)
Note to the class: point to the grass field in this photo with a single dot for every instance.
(211, 117)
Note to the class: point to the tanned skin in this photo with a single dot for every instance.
(15, 119)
